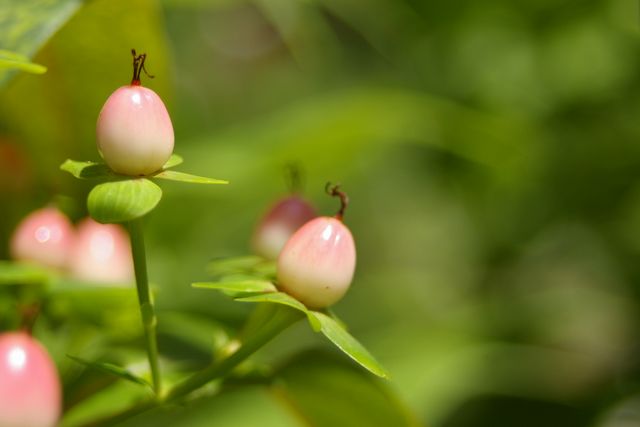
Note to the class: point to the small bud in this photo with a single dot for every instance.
(101, 254)
(316, 265)
(30, 392)
(280, 222)
(45, 236)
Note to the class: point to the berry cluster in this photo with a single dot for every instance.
(315, 256)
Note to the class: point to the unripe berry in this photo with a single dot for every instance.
(134, 130)
(30, 393)
(101, 254)
(45, 236)
(317, 263)
(280, 222)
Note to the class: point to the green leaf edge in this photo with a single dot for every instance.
(88, 169)
(240, 286)
(173, 161)
(18, 273)
(110, 368)
(78, 169)
(318, 321)
(370, 363)
(12, 60)
(120, 219)
(186, 177)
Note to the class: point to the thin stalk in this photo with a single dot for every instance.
(281, 320)
(147, 312)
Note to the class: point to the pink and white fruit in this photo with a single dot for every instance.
(134, 130)
(30, 392)
(280, 222)
(317, 263)
(45, 236)
(102, 254)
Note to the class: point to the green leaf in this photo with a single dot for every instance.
(85, 170)
(284, 299)
(25, 26)
(327, 391)
(249, 405)
(196, 333)
(13, 273)
(276, 298)
(242, 286)
(186, 177)
(174, 160)
(10, 59)
(122, 201)
(348, 344)
(112, 369)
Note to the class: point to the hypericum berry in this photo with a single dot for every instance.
(134, 131)
(30, 393)
(278, 225)
(45, 236)
(317, 263)
(101, 254)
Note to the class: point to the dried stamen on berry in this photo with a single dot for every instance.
(334, 190)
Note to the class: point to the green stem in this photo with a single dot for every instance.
(149, 320)
(282, 319)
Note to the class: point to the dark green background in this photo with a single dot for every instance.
(491, 151)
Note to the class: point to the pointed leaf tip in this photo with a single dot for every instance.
(187, 177)
(348, 344)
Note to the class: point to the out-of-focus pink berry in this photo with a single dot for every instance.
(317, 263)
(30, 392)
(134, 131)
(102, 254)
(45, 236)
(280, 222)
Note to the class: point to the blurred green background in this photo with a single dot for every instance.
(491, 151)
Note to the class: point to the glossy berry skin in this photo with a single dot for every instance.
(30, 392)
(279, 223)
(45, 236)
(317, 263)
(101, 254)
(134, 131)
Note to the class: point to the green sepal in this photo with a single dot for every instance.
(174, 160)
(85, 170)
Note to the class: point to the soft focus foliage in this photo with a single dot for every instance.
(491, 151)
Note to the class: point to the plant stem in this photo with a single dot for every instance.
(282, 319)
(147, 312)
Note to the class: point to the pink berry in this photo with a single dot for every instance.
(134, 130)
(45, 236)
(280, 222)
(317, 263)
(102, 254)
(30, 392)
